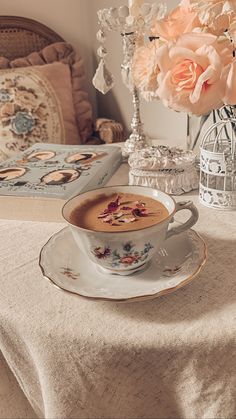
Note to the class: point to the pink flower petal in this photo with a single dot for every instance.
(126, 208)
(181, 20)
(108, 219)
(118, 215)
(203, 78)
(127, 220)
(113, 205)
(230, 88)
(140, 212)
(186, 54)
(140, 204)
(102, 215)
(193, 40)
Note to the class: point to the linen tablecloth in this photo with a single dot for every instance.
(173, 357)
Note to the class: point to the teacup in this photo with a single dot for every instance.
(125, 252)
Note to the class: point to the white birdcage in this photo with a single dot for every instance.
(218, 163)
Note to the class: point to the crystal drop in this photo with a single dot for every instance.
(102, 52)
(113, 12)
(158, 10)
(100, 15)
(140, 21)
(145, 9)
(154, 8)
(162, 11)
(130, 20)
(123, 11)
(101, 37)
(112, 22)
(103, 80)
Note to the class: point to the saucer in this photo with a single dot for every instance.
(175, 265)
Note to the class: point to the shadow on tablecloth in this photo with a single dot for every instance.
(213, 289)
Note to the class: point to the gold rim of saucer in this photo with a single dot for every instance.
(130, 299)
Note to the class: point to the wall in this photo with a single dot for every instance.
(159, 122)
(76, 22)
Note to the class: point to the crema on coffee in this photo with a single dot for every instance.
(118, 212)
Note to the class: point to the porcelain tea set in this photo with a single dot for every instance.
(124, 265)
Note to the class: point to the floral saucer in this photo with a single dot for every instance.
(174, 266)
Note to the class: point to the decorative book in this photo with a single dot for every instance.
(35, 184)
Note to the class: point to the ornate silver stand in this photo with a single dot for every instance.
(137, 139)
(132, 28)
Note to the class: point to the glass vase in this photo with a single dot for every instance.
(198, 125)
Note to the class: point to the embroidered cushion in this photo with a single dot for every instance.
(42, 99)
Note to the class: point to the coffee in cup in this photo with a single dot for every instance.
(118, 212)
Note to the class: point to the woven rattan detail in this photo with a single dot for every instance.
(21, 36)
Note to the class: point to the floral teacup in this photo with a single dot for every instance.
(127, 251)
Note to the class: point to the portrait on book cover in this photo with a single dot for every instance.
(60, 177)
(41, 155)
(84, 158)
(10, 173)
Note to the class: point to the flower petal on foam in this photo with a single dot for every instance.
(127, 220)
(230, 90)
(203, 78)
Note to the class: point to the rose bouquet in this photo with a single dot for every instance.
(189, 59)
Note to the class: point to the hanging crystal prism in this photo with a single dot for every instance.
(103, 80)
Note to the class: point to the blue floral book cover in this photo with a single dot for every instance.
(53, 172)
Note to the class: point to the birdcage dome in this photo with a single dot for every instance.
(218, 163)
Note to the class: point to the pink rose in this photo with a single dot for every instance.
(216, 15)
(145, 69)
(181, 20)
(230, 85)
(232, 31)
(191, 72)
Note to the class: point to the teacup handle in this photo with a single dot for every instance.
(191, 221)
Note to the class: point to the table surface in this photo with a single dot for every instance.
(77, 358)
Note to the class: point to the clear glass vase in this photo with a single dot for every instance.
(198, 125)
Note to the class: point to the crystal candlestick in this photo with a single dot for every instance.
(137, 138)
(134, 23)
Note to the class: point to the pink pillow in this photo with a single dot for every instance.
(42, 99)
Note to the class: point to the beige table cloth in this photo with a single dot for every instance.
(173, 357)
